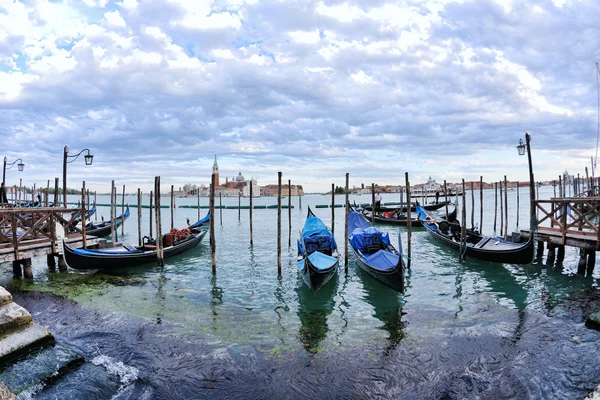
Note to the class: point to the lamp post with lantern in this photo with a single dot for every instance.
(88, 161)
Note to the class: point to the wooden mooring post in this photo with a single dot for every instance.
(198, 196)
(463, 234)
(372, 204)
(347, 206)
(172, 207)
(240, 205)
(279, 223)
(221, 208)
(139, 216)
(83, 221)
(480, 204)
(505, 207)
(518, 209)
(408, 215)
(159, 242)
(150, 215)
(250, 212)
(501, 210)
(289, 213)
(213, 242)
(123, 213)
(113, 231)
(408, 220)
(332, 208)
(495, 205)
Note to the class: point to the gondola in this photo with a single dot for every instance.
(101, 229)
(402, 208)
(374, 252)
(395, 218)
(318, 256)
(480, 247)
(125, 255)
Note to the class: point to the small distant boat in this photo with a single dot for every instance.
(478, 246)
(374, 252)
(126, 255)
(101, 229)
(318, 256)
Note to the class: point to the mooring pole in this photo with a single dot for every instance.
(445, 200)
(347, 206)
(47, 193)
(518, 205)
(113, 232)
(220, 208)
(83, 222)
(409, 218)
(198, 196)
(495, 205)
(372, 204)
(172, 207)
(139, 216)
(213, 244)
(240, 205)
(480, 204)
(150, 213)
(332, 208)
(501, 211)
(463, 238)
(55, 192)
(250, 210)
(506, 207)
(279, 223)
(299, 199)
(123, 212)
(159, 239)
(290, 212)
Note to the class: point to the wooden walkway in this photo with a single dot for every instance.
(571, 222)
(30, 232)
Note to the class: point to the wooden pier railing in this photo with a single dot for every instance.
(34, 228)
(570, 221)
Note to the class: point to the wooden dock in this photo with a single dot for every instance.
(573, 222)
(31, 232)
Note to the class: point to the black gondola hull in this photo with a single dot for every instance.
(393, 278)
(109, 261)
(315, 278)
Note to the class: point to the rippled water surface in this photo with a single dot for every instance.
(460, 331)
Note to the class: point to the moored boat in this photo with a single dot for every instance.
(478, 246)
(100, 229)
(126, 255)
(374, 252)
(318, 256)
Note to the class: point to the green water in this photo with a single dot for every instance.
(451, 312)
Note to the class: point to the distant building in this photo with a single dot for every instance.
(272, 190)
(235, 187)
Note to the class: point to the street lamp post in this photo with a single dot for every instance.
(526, 148)
(20, 165)
(88, 161)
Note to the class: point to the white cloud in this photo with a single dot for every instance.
(305, 37)
(113, 18)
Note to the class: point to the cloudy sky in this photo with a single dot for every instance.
(314, 89)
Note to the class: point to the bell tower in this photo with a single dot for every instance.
(216, 171)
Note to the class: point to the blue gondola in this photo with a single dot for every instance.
(318, 256)
(374, 252)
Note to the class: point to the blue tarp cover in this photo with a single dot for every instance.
(383, 260)
(361, 238)
(202, 221)
(316, 236)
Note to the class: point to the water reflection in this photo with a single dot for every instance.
(313, 310)
(387, 306)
